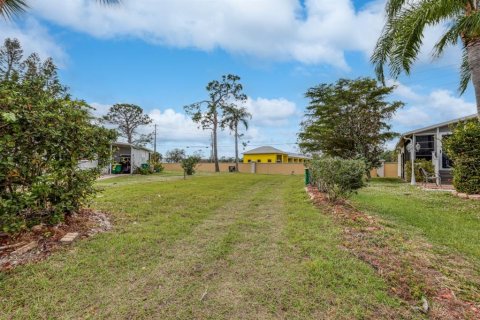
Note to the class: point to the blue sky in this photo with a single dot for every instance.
(161, 54)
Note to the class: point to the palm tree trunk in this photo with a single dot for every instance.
(215, 151)
(473, 51)
(236, 147)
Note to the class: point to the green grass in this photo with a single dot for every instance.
(450, 223)
(209, 247)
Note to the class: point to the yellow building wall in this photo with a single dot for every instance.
(262, 157)
(272, 157)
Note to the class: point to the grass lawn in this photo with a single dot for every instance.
(449, 223)
(211, 247)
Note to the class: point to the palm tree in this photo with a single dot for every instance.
(233, 116)
(401, 39)
(10, 8)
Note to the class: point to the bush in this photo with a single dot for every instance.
(143, 171)
(158, 167)
(463, 147)
(419, 163)
(44, 133)
(188, 164)
(337, 177)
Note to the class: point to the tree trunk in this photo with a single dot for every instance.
(236, 148)
(215, 151)
(9, 70)
(473, 51)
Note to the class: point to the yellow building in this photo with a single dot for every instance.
(272, 155)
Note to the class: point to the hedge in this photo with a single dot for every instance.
(337, 177)
(463, 147)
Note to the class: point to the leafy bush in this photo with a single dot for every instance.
(143, 171)
(188, 164)
(158, 167)
(44, 134)
(337, 177)
(419, 163)
(463, 147)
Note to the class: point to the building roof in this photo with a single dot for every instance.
(272, 150)
(442, 124)
(126, 144)
(435, 126)
(265, 150)
(297, 155)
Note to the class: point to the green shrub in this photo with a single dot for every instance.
(44, 134)
(419, 163)
(158, 167)
(189, 164)
(337, 177)
(463, 147)
(143, 171)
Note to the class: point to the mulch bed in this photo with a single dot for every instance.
(410, 268)
(40, 241)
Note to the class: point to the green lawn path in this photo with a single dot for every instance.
(211, 247)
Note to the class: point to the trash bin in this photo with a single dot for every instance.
(116, 168)
(231, 169)
(144, 165)
(307, 176)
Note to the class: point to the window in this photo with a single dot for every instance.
(427, 146)
(269, 160)
(259, 160)
(279, 158)
(249, 160)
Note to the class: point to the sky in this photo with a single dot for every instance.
(160, 55)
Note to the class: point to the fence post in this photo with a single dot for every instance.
(307, 176)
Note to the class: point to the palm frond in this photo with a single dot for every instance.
(393, 7)
(381, 52)
(402, 37)
(10, 8)
(465, 72)
(449, 38)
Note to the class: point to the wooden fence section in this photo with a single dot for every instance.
(280, 168)
(387, 170)
(259, 168)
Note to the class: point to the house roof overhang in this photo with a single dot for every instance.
(401, 141)
(126, 144)
(265, 150)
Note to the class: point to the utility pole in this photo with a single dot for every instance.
(155, 140)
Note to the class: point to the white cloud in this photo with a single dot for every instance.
(424, 109)
(177, 127)
(99, 109)
(271, 112)
(34, 38)
(319, 32)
